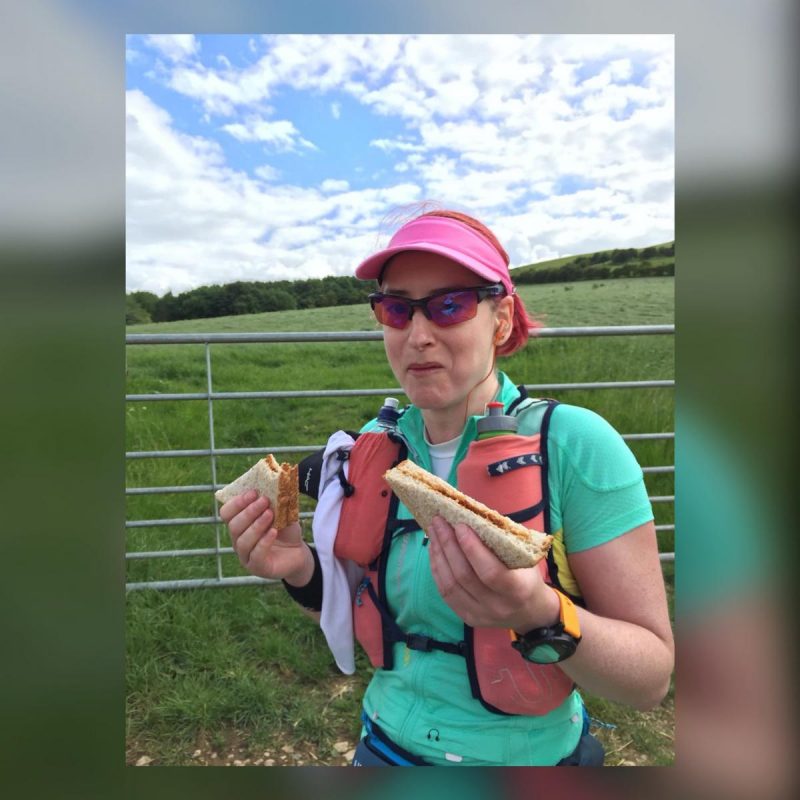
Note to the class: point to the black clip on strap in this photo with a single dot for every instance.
(348, 488)
(418, 641)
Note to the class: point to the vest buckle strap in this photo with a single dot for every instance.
(417, 641)
(347, 488)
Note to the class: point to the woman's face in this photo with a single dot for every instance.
(439, 367)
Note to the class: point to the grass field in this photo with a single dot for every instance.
(238, 675)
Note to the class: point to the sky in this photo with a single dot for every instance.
(296, 156)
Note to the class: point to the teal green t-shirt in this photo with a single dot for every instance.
(425, 703)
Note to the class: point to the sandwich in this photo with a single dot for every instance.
(426, 496)
(277, 482)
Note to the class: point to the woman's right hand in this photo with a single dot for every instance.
(263, 550)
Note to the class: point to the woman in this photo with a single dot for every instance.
(618, 643)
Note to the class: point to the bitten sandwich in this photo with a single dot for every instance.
(426, 496)
(278, 482)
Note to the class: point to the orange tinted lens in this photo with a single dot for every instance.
(392, 311)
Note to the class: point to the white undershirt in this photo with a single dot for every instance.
(442, 455)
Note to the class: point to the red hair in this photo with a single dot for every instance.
(521, 322)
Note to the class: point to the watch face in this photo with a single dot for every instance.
(551, 652)
(544, 654)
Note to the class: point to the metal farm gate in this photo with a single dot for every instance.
(212, 452)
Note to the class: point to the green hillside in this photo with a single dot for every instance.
(630, 262)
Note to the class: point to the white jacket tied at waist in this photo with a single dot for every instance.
(340, 577)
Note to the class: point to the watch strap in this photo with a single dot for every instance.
(569, 616)
(567, 620)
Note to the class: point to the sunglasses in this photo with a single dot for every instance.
(444, 308)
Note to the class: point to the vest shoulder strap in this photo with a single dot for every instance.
(531, 412)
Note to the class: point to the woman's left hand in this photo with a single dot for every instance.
(480, 589)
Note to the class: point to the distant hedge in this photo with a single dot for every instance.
(246, 297)
(572, 272)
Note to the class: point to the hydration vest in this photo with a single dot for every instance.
(497, 471)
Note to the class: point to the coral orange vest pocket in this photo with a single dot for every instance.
(365, 507)
(367, 619)
(505, 473)
(508, 473)
(509, 684)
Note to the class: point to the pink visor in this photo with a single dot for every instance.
(448, 237)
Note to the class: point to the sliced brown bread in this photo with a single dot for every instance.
(278, 482)
(426, 495)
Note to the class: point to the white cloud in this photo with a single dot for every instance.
(477, 189)
(174, 46)
(402, 97)
(331, 185)
(490, 123)
(387, 145)
(304, 62)
(531, 120)
(267, 173)
(621, 69)
(218, 93)
(191, 220)
(291, 237)
(280, 135)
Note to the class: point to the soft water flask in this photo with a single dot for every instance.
(495, 422)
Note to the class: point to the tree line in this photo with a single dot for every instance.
(255, 297)
(246, 297)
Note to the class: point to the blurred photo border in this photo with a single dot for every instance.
(62, 259)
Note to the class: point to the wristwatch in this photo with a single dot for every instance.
(553, 643)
